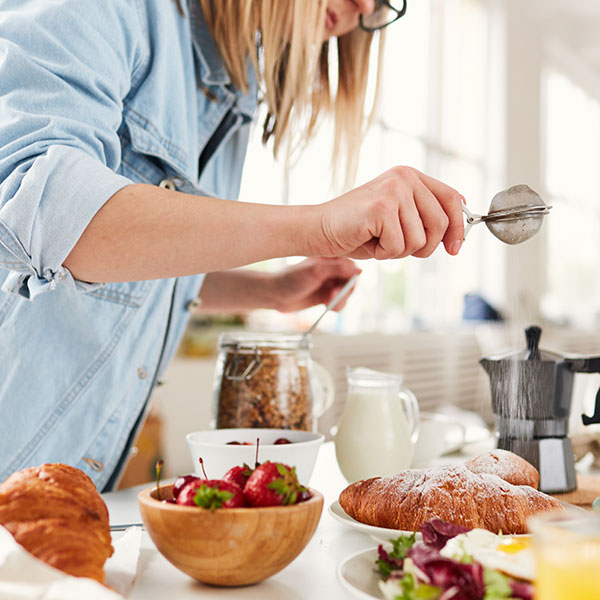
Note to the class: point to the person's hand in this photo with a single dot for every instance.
(402, 212)
(312, 281)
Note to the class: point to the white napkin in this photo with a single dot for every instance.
(24, 577)
(121, 567)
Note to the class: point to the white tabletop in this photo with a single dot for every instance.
(311, 575)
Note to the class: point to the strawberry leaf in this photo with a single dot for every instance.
(282, 469)
(211, 497)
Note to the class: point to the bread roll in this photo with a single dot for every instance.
(454, 494)
(508, 466)
(57, 514)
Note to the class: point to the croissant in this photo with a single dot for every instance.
(57, 514)
(452, 493)
(508, 466)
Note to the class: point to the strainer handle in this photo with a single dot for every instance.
(472, 219)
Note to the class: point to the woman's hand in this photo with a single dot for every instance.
(402, 212)
(308, 283)
(313, 281)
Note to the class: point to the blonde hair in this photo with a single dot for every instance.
(293, 68)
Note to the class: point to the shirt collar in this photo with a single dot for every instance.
(212, 71)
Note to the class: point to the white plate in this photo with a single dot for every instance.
(381, 534)
(357, 575)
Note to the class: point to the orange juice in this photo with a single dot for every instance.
(567, 550)
(569, 575)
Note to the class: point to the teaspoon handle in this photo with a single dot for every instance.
(347, 286)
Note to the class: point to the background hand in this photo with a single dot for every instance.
(307, 283)
(313, 281)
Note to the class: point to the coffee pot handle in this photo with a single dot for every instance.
(588, 365)
(595, 418)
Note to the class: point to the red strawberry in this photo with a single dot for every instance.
(238, 475)
(272, 484)
(211, 494)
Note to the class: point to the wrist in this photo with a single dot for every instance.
(303, 231)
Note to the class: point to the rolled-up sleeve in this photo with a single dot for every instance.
(65, 70)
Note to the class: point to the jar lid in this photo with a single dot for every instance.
(270, 339)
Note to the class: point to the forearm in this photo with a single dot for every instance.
(237, 291)
(146, 232)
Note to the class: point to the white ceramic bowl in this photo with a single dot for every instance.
(219, 456)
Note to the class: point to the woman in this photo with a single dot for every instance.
(124, 126)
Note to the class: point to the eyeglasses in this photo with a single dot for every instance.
(385, 13)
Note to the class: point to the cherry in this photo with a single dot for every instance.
(238, 475)
(303, 495)
(180, 483)
(281, 440)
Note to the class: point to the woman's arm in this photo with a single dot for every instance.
(310, 282)
(146, 232)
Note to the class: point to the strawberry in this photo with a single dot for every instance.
(211, 494)
(272, 484)
(238, 475)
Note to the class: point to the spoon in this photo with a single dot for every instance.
(515, 215)
(333, 303)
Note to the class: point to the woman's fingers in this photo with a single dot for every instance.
(400, 213)
(451, 202)
(435, 220)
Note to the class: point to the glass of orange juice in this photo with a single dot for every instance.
(567, 552)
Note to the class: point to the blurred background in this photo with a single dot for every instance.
(482, 94)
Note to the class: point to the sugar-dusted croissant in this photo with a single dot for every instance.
(508, 466)
(57, 514)
(453, 493)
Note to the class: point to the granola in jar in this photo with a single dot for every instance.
(264, 380)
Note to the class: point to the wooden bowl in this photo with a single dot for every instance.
(230, 546)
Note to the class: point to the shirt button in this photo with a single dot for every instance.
(168, 184)
(94, 463)
(142, 374)
(192, 304)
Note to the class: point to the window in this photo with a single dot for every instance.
(439, 95)
(572, 156)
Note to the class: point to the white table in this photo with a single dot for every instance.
(312, 575)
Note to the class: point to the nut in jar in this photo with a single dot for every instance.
(268, 380)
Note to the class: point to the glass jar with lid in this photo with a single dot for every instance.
(268, 380)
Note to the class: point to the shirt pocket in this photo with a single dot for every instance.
(145, 159)
(127, 293)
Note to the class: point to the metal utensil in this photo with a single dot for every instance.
(347, 287)
(515, 215)
(125, 526)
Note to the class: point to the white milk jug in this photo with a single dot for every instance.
(378, 428)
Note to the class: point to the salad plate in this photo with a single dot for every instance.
(357, 575)
(380, 534)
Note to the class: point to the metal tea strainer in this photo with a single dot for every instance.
(515, 215)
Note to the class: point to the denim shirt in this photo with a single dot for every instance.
(95, 96)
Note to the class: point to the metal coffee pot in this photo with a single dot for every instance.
(531, 400)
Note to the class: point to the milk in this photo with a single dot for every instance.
(378, 427)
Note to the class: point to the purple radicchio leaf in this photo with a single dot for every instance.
(458, 581)
(521, 589)
(436, 532)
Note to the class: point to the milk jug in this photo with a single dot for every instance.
(378, 427)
